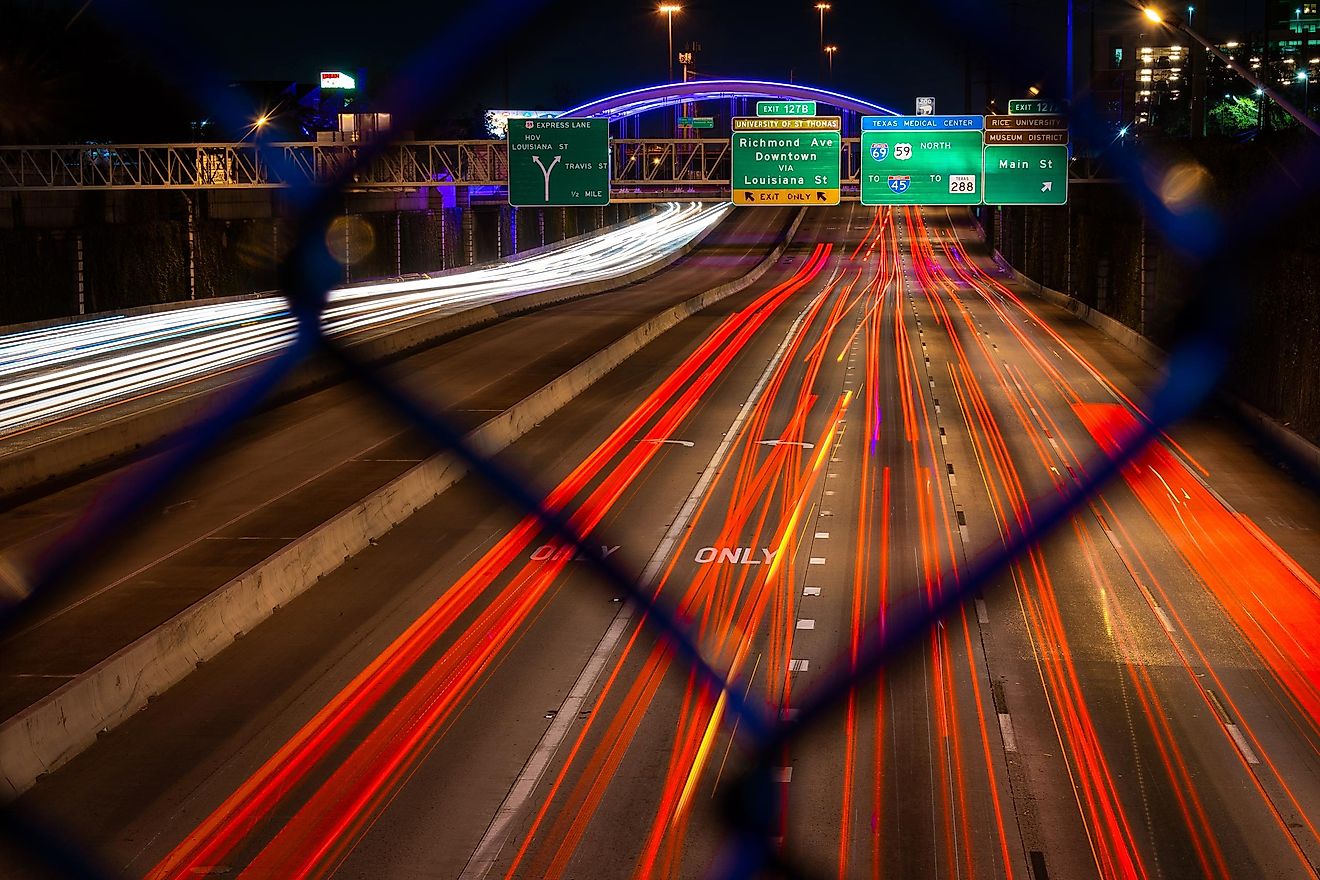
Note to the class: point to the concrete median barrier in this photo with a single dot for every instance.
(49, 733)
(65, 455)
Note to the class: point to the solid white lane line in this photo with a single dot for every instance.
(488, 849)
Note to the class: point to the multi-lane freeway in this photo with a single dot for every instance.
(1135, 697)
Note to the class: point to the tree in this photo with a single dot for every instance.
(1233, 116)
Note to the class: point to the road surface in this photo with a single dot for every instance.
(1134, 698)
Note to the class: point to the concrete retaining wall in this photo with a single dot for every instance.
(99, 443)
(47, 735)
(1296, 446)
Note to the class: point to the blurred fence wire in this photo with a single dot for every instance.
(752, 805)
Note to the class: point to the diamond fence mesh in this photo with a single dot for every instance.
(1209, 241)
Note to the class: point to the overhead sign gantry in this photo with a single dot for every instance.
(1017, 159)
(1026, 156)
(786, 160)
(921, 160)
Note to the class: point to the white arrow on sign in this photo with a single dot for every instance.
(1047, 186)
(778, 442)
(546, 171)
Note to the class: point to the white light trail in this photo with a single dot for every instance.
(55, 372)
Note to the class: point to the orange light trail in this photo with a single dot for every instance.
(240, 813)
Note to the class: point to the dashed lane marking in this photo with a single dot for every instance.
(1243, 746)
(1006, 729)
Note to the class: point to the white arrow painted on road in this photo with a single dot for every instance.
(778, 442)
(666, 440)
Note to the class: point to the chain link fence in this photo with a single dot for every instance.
(1208, 240)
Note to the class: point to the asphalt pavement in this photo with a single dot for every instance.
(787, 470)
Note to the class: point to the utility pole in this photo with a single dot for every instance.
(1072, 58)
(967, 77)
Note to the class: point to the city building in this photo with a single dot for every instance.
(1151, 79)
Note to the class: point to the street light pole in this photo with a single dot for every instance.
(1177, 23)
(829, 53)
(822, 8)
(668, 9)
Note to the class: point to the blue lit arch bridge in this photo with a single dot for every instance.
(645, 167)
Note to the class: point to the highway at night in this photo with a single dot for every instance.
(51, 373)
(1137, 696)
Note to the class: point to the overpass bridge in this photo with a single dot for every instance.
(643, 168)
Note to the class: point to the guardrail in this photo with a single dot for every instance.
(662, 167)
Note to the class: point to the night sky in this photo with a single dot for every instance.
(527, 54)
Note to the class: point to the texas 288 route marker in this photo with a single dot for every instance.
(786, 160)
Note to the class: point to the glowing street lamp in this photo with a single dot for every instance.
(829, 52)
(668, 9)
(259, 123)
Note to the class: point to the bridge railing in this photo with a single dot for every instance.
(236, 165)
(697, 166)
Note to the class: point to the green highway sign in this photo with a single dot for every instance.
(786, 161)
(1036, 105)
(785, 108)
(696, 122)
(921, 168)
(559, 162)
(1026, 175)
